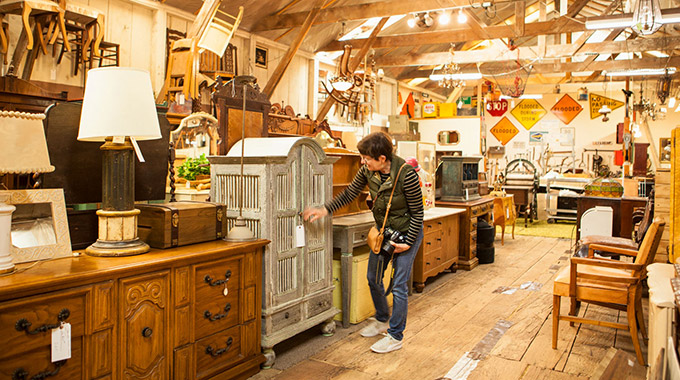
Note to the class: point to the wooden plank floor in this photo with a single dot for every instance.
(457, 310)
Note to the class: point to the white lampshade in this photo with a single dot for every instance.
(118, 101)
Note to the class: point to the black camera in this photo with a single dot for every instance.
(391, 236)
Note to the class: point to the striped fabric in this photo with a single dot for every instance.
(412, 192)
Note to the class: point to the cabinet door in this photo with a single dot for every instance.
(144, 343)
(284, 265)
(317, 188)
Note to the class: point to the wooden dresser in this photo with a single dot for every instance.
(480, 208)
(186, 313)
(440, 248)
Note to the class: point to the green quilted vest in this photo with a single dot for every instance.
(399, 217)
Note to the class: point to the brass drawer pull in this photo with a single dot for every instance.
(210, 281)
(208, 315)
(146, 332)
(22, 374)
(23, 324)
(212, 352)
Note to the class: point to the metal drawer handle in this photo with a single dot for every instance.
(287, 315)
(22, 374)
(210, 281)
(208, 315)
(23, 324)
(323, 303)
(212, 352)
(146, 332)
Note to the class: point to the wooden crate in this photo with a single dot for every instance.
(361, 304)
(662, 208)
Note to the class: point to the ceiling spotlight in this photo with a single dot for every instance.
(428, 20)
(411, 22)
(462, 18)
(444, 17)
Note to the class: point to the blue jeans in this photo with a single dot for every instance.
(402, 264)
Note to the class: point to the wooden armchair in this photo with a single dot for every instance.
(608, 283)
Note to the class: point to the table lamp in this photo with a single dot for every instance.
(118, 108)
(23, 150)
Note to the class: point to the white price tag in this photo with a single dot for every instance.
(118, 139)
(61, 342)
(507, 213)
(300, 236)
(467, 194)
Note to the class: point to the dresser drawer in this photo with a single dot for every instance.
(473, 224)
(213, 311)
(432, 241)
(27, 324)
(37, 364)
(286, 317)
(319, 304)
(217, 350)
(360, 237)
(432, 226)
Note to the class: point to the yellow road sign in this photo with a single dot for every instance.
(597, 101)
(504, 130)
(528, 112)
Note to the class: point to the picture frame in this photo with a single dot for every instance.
(39, 226)
(261, 56)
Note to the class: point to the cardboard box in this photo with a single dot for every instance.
(431, 109)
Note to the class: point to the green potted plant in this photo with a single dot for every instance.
(193, 169)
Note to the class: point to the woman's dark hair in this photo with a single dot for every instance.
(375, 145)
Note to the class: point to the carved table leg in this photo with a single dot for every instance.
(419, 286)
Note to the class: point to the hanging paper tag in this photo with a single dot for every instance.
(467, 194)
(507, 213)
(61, 342)
(137, 150)
(180, 98)
(300, 236)
(118, 139)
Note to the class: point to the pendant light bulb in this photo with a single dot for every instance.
(462, 18)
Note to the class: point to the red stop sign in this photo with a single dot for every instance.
(497, 107)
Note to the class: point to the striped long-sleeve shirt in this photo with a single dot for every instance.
(412, 193)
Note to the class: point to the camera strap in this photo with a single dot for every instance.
(389, 203)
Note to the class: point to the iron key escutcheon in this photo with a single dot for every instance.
(210, 281)
(23, 324)
(212, 352)
(212, 318)
(22, 374)
(146, 332)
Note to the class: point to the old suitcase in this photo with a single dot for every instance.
(173, 224)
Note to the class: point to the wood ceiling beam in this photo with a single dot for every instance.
(530, 53)
(292, 50)
(556, 26)
(356, 12)
(558, 67)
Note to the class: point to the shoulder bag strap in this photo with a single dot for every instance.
(389, 204)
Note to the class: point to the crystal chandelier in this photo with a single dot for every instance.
(451, 76)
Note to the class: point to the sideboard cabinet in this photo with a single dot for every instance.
(185, 313)
(474, 210)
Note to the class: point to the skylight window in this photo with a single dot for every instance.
(364, 30)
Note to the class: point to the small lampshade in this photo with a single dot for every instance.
(23, 149)
(118, 101)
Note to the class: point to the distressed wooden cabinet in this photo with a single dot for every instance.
(185, 313)
(474, 210)
(282, 176)
(440, 246)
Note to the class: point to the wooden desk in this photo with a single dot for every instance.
(480, 208)
(623, 207)
(351, 231)
(191, 312)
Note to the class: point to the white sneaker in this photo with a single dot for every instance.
(374, 328)
(386, 344)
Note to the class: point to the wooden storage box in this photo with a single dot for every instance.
(361, 304)
(166, 225)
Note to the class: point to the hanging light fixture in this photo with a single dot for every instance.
(341, 83)
(647, 17)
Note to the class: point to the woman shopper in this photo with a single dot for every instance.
(384, 172)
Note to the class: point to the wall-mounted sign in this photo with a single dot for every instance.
(429, 109)
(497, 107)
(597, 101)
(537, 137)
(466, 99)
(566, 109)
(528, 112)
(504, 131)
